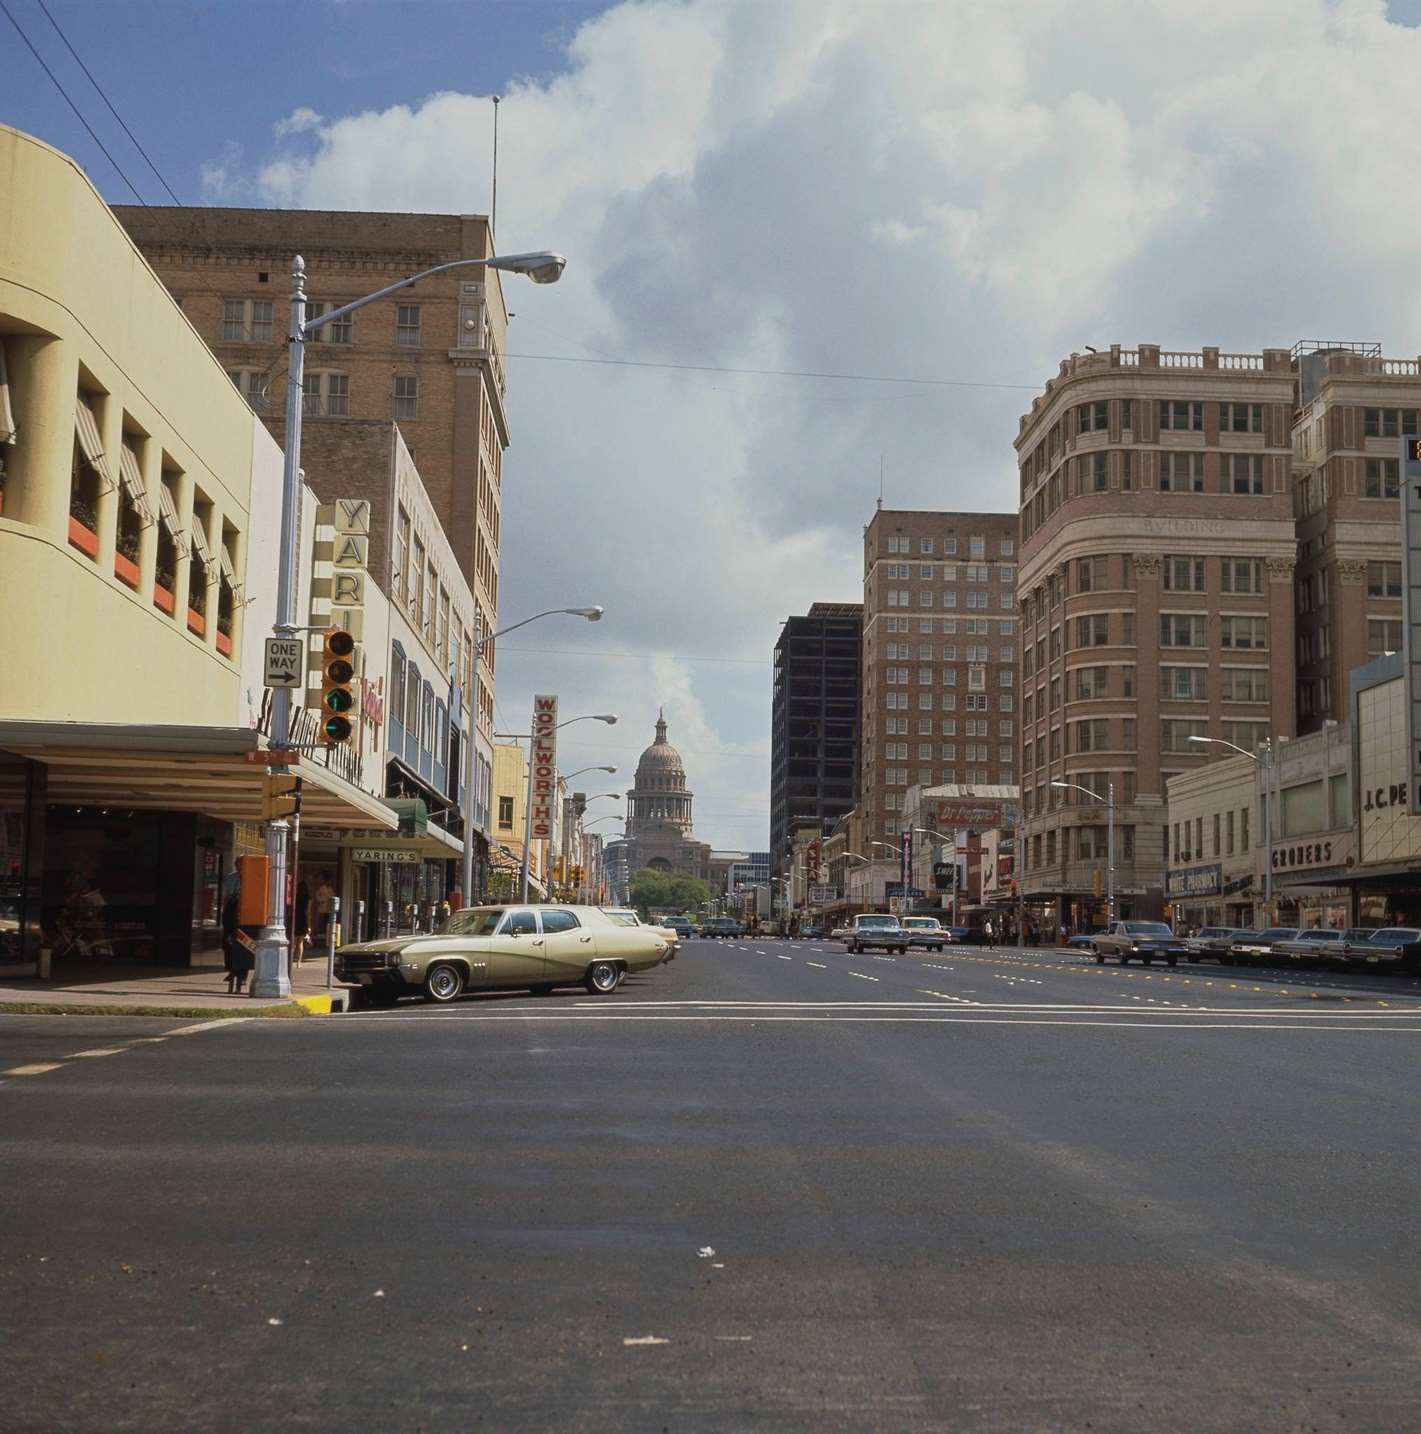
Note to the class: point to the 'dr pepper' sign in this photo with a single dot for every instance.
(542, 766)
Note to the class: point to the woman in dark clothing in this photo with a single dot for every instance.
(301, 921)
(235, 956)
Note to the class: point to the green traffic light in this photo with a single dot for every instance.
(337, 729)
(338, 699)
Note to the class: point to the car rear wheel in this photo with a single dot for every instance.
(443, 983)
(383, 996)
(603, 977)
(1100, 958)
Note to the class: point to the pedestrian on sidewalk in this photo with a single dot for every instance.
(235, 956)
(325, 900)
(991, 934)
(300, 921)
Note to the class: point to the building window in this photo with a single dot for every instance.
(1178, 629)
(1383, 635)
(406, 397)
(1090, 575)
(1127, 471)
(1241, 417)
(1181, 473)
(1383, 480)
(1183, 684)
(1091, 417)
(1242, 575)
(407, 325)
(1093, 631)
(1184, 575)
(1091, 736)
(247, 321)
(505, 814)
(1248, 735)
(1091, 683)
(925, 545)
(326, 394)
(1389, 422)
(1176, 732)
(340, 331)
(1181, 416)
(1244, 634)
(1243, 684)
(1383, 579)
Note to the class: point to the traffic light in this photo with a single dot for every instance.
(337, 673)
(281, 795)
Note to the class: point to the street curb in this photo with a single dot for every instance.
(294, 1010)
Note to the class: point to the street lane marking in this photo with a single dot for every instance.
(818, 964)
(782, 958)
(98, 1051)
(862, 977)
(209, 1026)
(38, 1068)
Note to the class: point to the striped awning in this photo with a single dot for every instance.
(199, 542)
(229, 572)
(87, 428)
(7, 413)
(168, 516)
(133, 483)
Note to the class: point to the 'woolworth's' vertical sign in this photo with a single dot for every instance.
(543, 766)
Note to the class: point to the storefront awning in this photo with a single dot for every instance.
(216, 771)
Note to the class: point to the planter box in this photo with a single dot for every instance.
(125, 570)
(163, 599)
(196, 622)
(85, 539)
(224, 643)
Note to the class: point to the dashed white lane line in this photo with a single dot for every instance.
(207, 1026)
(784, 958)
(37, 1068)
(885, 958)
(862, 977)
(97, 1051)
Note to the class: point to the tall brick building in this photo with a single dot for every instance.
(429, 358)
(1354, 405)
(1156, 587)
(939, 658)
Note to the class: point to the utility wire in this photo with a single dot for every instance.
(774, 372)
(108, 102)
(71, 104)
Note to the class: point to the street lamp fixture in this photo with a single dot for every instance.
(1109, 800)
(1265, 763)
(542, 267)
(581, 770)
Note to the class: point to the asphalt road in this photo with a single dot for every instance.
(771, 1186)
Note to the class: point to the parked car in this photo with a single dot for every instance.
(681, 925)
(724, 928)
(625, 916)
(1395, 947)
(1083, 941)
(1255, 948)
(1349, 949)
(1212, 942)
(925, 931)
(1306, 945)
(503, 948)
(1143, 940)
(810, 933)
(877, 929)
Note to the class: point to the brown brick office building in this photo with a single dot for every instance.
(1156, 587)
(939, 659)
(1354, 405)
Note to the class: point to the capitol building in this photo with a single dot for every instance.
(658, 824)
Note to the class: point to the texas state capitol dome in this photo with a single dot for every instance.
(659, 806)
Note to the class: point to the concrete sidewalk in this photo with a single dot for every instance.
(107, 987)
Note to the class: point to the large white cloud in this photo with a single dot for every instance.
(966, 189)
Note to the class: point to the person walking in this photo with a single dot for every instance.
(325, 901)
(300, 921)
(991, 933)
(236, 956)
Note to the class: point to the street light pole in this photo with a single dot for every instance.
(1109, 800)
(544, 267)
(1265, 766)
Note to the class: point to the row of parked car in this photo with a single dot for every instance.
(1388, 947)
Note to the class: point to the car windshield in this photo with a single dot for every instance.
(1147, 928)
(878, 921)
(1278, 933)
(1358, 933)
(1324, 934)
(1215, 931)
(473, 921)
(1398, 935)
(925, 923)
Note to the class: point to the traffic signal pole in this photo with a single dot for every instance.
(269, 979)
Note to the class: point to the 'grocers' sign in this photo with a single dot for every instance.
(543, 766)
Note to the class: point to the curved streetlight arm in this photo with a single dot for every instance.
(592, 614)
(857, 857)
(1219, 742)
(569, 776)
(1076, 787)
(544, 263)
(941, 836)
(610, 817)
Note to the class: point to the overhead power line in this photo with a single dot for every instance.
(97, 86)
(776, 372)
(57, 85)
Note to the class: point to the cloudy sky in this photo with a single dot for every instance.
(809, 241)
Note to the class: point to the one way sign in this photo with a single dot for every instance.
(285, 662)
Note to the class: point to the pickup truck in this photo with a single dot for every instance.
(1143, 940)
(877, 929)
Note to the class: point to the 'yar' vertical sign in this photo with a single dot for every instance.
(543, 765)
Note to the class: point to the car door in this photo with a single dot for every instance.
(516, 956)
(567, 945)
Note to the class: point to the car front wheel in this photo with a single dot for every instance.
(1099, 957)
(603, 977)
(443, 984)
